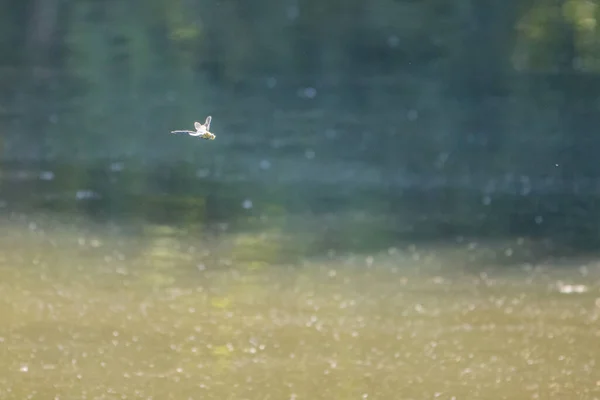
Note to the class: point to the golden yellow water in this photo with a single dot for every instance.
(101, 312)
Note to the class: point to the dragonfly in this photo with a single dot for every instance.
(202, 130)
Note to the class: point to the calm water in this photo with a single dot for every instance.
(385, 213)
(136, 311)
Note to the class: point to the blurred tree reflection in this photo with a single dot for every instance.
(384, 92)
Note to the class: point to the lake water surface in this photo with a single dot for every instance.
(104, 310)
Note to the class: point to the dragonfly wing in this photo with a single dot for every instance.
(207, 123)
(197, 125)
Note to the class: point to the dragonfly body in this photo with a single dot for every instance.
(202, 130)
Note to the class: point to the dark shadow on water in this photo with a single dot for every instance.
(320, 217)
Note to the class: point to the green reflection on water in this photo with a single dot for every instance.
(106, 311)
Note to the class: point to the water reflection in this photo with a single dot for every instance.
(105, 310)
(389, 212)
